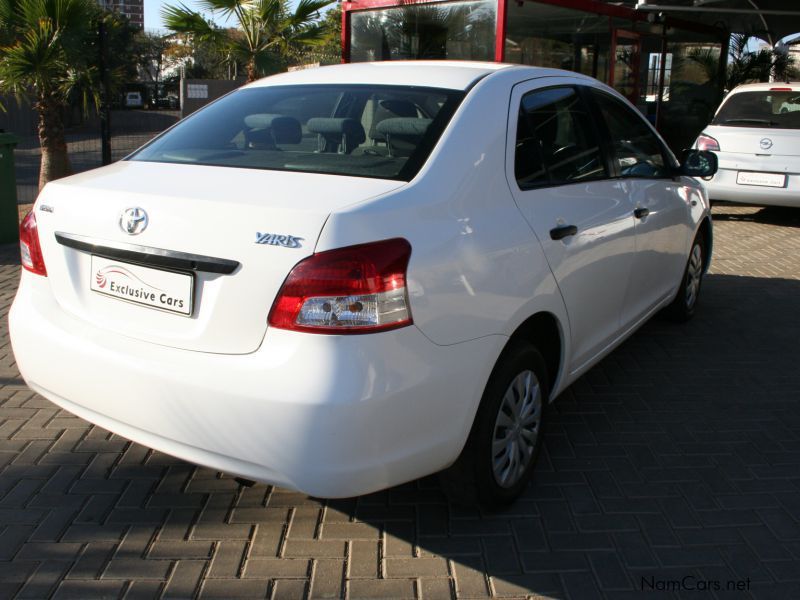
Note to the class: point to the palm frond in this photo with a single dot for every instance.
(311, 35)
(71, 16)
(8, 11)
(270, 13)
(307, 10)
(37, 60)
(182, 19)
(224, 7)
(84, 84)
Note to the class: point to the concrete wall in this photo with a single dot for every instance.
(196, 93)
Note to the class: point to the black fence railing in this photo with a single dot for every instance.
(130, 129)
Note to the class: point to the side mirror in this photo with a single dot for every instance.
(699, 163)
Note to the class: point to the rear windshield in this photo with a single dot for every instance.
(383, 132)
(766, 108)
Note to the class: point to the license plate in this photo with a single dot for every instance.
(155, 288)
(763, 179)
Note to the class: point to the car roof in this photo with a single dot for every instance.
(451, 74)
(793, 86)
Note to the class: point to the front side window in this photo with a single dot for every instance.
(383, 132)
(636, 150)
(556, 140)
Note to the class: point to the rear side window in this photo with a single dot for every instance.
(556, 140)
(384, 132)
(636, 151)
(778, 109)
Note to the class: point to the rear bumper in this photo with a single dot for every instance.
(724, 187)
(332, 416)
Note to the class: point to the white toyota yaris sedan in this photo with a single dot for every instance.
(341, 279)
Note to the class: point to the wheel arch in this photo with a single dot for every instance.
(544, 331)
(707, 232)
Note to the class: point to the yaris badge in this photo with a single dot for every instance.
(133, 221)
(765, 143)
(274, 239)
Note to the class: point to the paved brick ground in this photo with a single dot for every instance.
(678, 456)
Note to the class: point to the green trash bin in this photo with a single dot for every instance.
(9, 215)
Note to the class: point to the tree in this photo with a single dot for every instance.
(744, 65)
(268, 31)
(331, 48)
(150, 51)
(47, 57)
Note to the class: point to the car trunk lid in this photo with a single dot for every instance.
(238, 232)
(757, 141)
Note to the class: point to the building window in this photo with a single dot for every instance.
(654, 75)
(454, 30)
(559, 38)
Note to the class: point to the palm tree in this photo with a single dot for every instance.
(268, 30)
(744, 65)
(46, 58)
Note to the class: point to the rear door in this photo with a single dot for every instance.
(644, 170)
(583, 219)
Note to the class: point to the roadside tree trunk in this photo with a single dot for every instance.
(55, 161)
(252, 74)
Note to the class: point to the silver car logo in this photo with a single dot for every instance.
(765, 143)
(133, 221)
(274, 239)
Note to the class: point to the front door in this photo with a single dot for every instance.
(660, 205)
(582, 218)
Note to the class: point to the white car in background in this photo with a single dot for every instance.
(134, 100)
(756, 136)
(341, 279)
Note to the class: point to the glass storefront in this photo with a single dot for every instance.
(454, 30)
(669, 73)
(560, 38)
(692, 91)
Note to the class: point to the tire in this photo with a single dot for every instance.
(489, 472)
(685, 303)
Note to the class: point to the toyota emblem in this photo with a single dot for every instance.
(133, 221)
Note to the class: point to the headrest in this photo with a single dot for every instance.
(405, 126)
(285, 130)
(337, 127)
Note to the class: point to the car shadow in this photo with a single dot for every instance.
(676, 460)
(9, 254)
(767, 215)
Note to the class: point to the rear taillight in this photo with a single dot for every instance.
(29, 248)
(706, 142)
(358, 289)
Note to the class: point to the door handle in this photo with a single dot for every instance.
(562, 231)
(641, 213)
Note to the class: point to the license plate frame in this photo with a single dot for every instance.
(159, 289)
(758, 179)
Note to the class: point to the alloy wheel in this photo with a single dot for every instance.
(516, 429)
(694, 273)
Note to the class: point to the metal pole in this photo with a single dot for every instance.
(500, 39)
(105, 97)
(662, 74)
